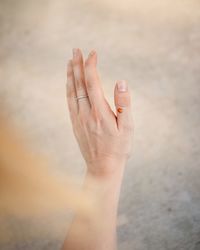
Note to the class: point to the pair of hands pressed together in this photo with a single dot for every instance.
(104, 137)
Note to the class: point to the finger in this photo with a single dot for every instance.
(93, 84)
(81, 91)
(123, 106)
(71, 91)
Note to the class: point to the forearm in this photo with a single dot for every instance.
(98, 230)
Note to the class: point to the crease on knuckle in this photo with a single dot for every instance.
(80, 83)
(76, 63)
(69, 73)
(70, 92)
(123, 100)
(90, 86)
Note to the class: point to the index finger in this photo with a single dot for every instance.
(93, 84)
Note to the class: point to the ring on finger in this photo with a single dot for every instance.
(81, 97)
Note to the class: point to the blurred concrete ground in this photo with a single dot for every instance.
(155, 46)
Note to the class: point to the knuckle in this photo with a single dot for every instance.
(87, 63)
(76, 63)
(83, 118)
(123, 100)
(80, 83)
(69, 73)
(90, 85)
(93, 86)
(70, 92)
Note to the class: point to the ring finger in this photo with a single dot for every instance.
(78, 68)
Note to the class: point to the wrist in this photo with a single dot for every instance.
(105, 183)
(105, 190)
(106, 168)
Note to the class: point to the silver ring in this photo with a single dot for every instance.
(81, 97)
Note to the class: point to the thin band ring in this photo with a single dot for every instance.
(81, 97)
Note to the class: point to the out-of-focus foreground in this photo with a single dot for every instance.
(155, 46)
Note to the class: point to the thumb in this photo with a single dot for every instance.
(123, 105)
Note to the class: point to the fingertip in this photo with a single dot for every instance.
(92, 58)
(92, 53)
(75, 52)
(122, 86)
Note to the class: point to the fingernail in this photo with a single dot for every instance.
(122, 86)
(75, 52)
(93, 52)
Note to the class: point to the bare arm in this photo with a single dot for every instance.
(105, 142)
(97, 232)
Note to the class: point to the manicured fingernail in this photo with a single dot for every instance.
(75, 52)
(122, 86)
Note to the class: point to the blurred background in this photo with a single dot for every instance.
(155, 46)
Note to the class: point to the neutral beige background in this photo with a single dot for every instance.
(155, 46)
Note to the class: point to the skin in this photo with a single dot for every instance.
(104, 138)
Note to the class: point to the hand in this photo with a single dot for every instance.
(104, 138)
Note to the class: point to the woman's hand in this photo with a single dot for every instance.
(104, 138)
